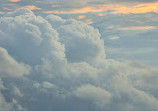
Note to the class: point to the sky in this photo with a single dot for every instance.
(87, 55)
(129, 28)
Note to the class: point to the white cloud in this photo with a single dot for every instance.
(72, 34)
(69, 68)
(10, 67)
(3, 105)
(96, 95)
(114, 38)
(47, 85)
(22, 28)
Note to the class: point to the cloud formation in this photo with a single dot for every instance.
(10, 66)
(60, 64)
(82, 6)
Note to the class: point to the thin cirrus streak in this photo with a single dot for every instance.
(82, 10)
(140, 8)
(81, 17)
(101, 15)
(89, 21)
(32, 7)
(138, 28)
(119, 8)
(14, 0)
(12, 7)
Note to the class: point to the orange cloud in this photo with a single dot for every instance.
(138, 28)
(140, 8)
(117, 8)
(14, 0)
(81, 17)
(89, 21)
(100, 14)
(81, 10)
(1, 12)
(32, 7)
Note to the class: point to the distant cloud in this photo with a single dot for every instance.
(81, 17)
(84, 6)
(114, 38)
(32, 7)
(1, 12)
(15, 0)
(101, 15)
(138, 28)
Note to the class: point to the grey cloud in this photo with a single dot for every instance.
(32, 30)
(72, 34)
(98, 96)
(69, 69)
(10, 67)
(137, 45)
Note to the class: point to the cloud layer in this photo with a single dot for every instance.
(82, 6)
(50, 63)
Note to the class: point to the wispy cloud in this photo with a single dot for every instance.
(81, 17)
(14, 0)
(138, 28)
(1, 12)
(84, 6)
(101, 15)
(114, 38)
(32, 7)
(139, 8)
(116, 8)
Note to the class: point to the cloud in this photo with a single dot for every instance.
(116, 8)
(32, 30)
(15, 0)
(1, 12)
(81, 17)
(10, 66)
(96, 95)
(114, 38)
(82, 6)
(69, 68)
(32, 7)
(73, 35)
(138, 28)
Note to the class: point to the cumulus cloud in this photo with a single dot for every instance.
(22, 28)
(73, 34)
(52, 63)
(10, 67)
(99, 96)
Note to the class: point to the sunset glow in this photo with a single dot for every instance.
(138, 28)
(32, 7)
(81, 17)
(138, 8)
(14, 0)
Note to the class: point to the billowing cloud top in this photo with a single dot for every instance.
(50, 63)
